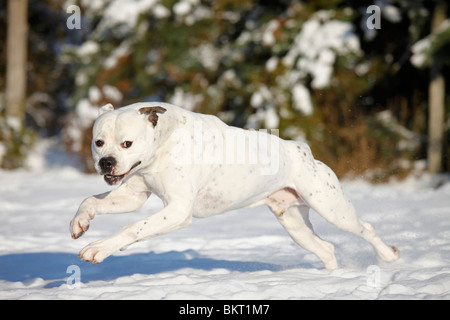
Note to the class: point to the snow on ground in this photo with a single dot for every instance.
(244, 254)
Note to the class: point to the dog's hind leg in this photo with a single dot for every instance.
(296, 222)
(326, 197)
(293, 215)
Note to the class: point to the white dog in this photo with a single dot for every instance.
(199, 166)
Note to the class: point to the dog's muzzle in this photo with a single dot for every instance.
(107, 164)
(107, 167)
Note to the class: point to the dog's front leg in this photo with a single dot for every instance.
(171, 218)
(123, 199)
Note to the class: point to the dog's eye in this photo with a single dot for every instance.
(126, 144)
(99, 143)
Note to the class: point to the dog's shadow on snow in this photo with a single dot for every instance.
(54, 267)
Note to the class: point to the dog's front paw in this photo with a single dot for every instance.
(97, 251)
(80, 224)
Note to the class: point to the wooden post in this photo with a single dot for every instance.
(436, 100)
(16, 75)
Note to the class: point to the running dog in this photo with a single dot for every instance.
(199, 167)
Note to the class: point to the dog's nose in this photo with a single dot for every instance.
(107, 163)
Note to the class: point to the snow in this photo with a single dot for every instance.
(182, 8)
(268, 36)
(244, 254)
(312, 55)
(112, 93)
(94, 94)
(302, 99)
(187, 100)
(419, 50)
(124, 12)
(160, 11)
(191, 11)
(389, 11)
(122, 50)
(14, 123)
(262, 100)
(423, 49)
(86, 112)
(88, 49)
(92, 5)
(260, 96)
(272, 64)
(316, 45)
(207, 55)
(409, 139)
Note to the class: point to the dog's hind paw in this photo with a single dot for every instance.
(396, 252)
(391, 255)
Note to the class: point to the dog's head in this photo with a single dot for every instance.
(122, 140)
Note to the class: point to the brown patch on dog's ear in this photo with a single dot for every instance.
(152, 113)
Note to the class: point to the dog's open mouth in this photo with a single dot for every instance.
(115, 179)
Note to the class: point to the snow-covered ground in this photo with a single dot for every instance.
(244, 254)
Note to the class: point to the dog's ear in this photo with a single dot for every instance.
(105, 108)
(151, 112)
